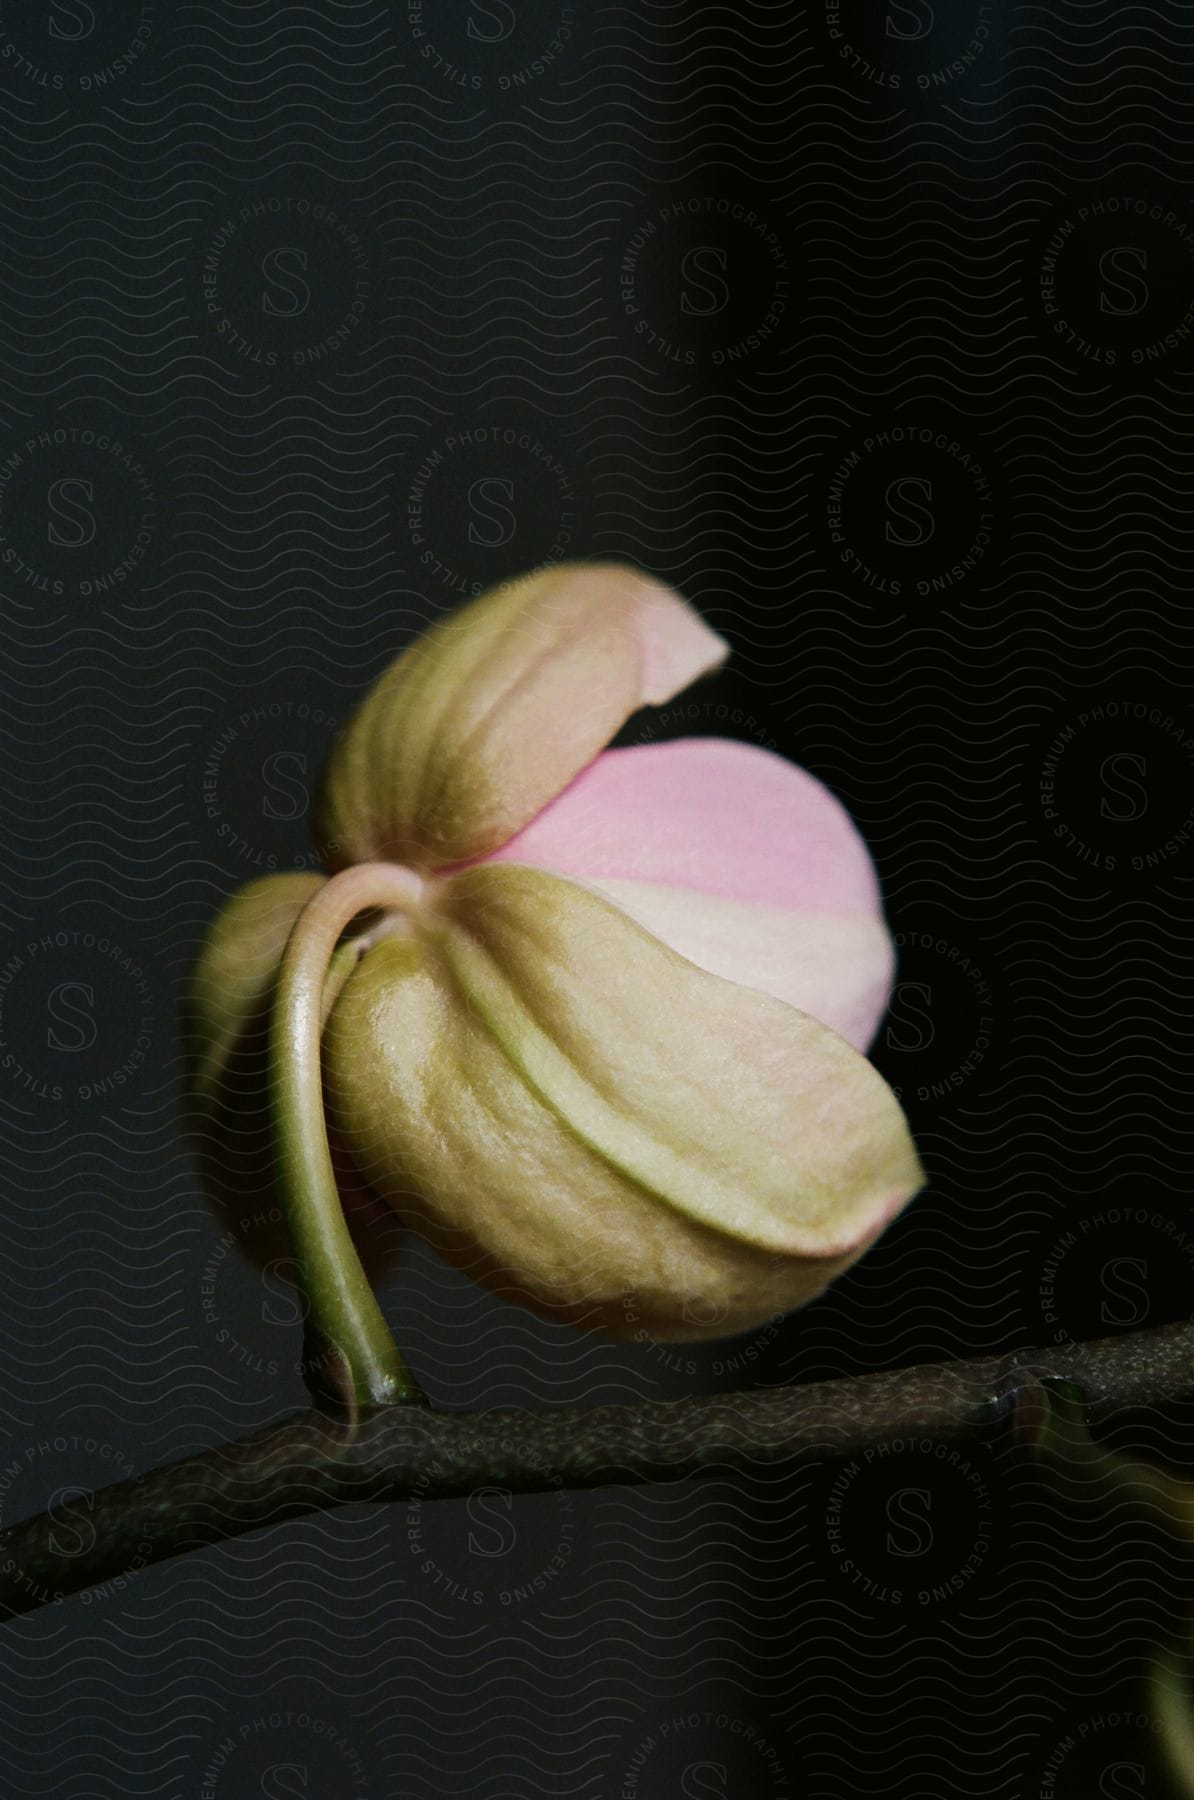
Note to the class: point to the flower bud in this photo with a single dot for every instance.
(603, 1046)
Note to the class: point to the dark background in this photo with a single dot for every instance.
(871, 329)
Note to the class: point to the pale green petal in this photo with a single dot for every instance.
(224, 1037)
(492, 712)
(234, 972)
(582, 1118)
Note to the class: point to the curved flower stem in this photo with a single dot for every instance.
(351, 1358)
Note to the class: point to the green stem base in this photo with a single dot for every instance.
(350, 1358)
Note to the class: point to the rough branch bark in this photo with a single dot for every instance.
(310, 1464)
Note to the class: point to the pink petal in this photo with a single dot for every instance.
(705, 813)
(837, 967)
(737, 859)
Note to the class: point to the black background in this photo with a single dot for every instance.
(869, 328)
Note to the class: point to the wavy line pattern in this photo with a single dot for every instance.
(872, 328)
